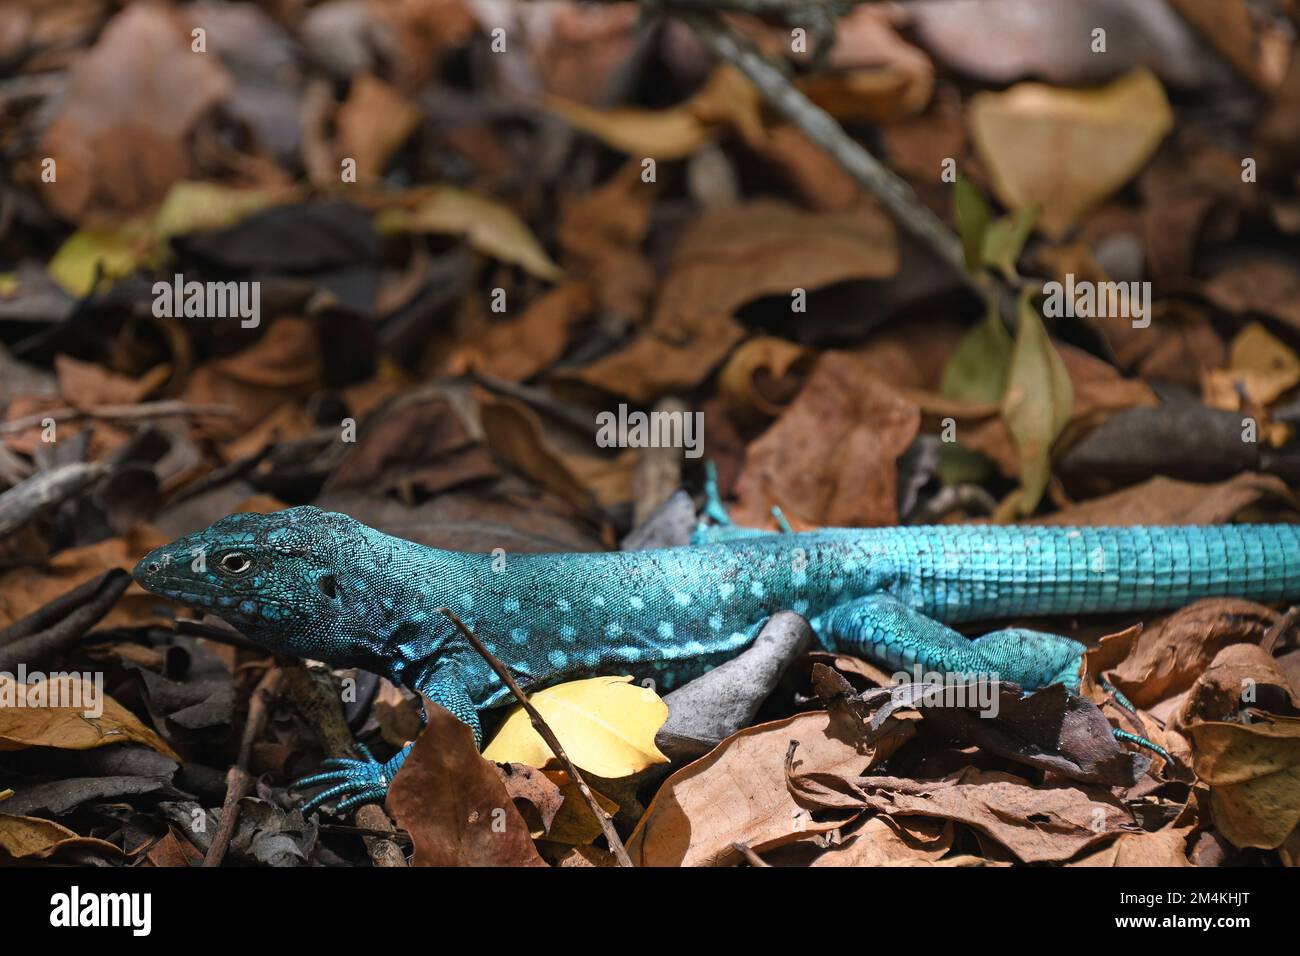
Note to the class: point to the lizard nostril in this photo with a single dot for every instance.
(154, 567)
(328, 585)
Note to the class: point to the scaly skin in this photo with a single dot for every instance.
(321, 585)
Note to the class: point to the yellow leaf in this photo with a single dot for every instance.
(607, 726)
(1263, 364)
(1036, 404)
(1068, 150)
(490, 226)
(91, 254)
(198, 206)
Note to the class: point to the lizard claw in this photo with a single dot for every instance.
(362, 781)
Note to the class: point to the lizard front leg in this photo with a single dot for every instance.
(367, 780)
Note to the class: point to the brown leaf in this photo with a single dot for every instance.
(38, 724)
(738, 794)
(119, 138)
(1254, 775)
(884, 841)
(284, 365)
(1166, 847)
(532, 786)
(1039, 824)
(601, 233)
(26, 589)
(373, 122)
(830, 459)
(1241, 677)
(515, 434)
(420, 445)
(453, 802)
(34, 838)
(1166, 501)
(1260, 285)
(726, 258)
(516, 349)
(1167, 658)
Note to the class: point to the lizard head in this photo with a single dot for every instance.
(275, 577)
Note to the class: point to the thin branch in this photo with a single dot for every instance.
(239, 782)
(113, 413)
(606, 824)
(820, 127)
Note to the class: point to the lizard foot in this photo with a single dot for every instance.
(363, 781)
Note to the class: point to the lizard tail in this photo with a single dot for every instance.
(966, 573)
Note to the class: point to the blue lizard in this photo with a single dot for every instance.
(321, 585)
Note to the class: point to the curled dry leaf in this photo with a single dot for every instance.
(728, 257)
(1254, 775)
(607, 726)
(830, 458)
(515, 434)
(738, 794)
(1067, 150)
(726, 101)
(27, 718)
(1038, 823)
(761, 377)
(490, 227)
(34, 838)
(1241, 677)
(1166, 658)
(453, 803)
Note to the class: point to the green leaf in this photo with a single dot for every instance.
(1036, 404)
(972, 221)
(92, 254)
(1004, 240)
(978, 368)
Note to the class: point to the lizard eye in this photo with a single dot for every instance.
(235, 562)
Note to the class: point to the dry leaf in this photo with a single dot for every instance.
(36, 839)
(373, 123)
(1067, 150)
(38, 724)
(738, 794)
(119, 136)
(728, 257)
(489, 226)
(516, 349)
(830, 459)
(1254, 775)
(453, 803)
(726, 101)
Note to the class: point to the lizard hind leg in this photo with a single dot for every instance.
(1031, 659)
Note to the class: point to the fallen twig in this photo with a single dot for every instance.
(606, 824)
(239, 782)
(24, 501)
(115, 413)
